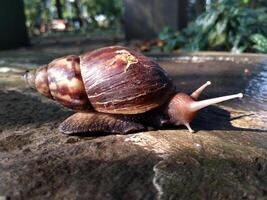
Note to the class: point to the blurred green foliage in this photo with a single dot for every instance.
(41, 12)
(111, 8)
(229, 25)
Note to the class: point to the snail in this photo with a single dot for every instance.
(116, 90)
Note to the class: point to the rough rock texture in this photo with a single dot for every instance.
(225, 159)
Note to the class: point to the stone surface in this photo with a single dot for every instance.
(225, 159)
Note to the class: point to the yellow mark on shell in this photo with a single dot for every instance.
(63, 82)
(65, 98)
(127, 57)
(53, 86)
(77, 68)
(76, 84)
(71, 65)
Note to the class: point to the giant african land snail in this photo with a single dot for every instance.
(116, 90)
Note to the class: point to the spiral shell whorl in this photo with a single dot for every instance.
(41, 81)
(61, 80)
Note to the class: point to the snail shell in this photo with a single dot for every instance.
(110, 80)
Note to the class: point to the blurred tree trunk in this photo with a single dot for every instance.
(13, 32)
(145, 19)
(78, 11)
(182, 13)
(59, 9)
(200, 6)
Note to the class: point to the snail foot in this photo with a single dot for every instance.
(94, 122)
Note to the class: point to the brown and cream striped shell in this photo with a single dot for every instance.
(110, 80)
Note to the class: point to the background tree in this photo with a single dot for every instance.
(59, 9)
(13, 31)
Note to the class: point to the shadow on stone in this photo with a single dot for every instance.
(216, 118)
(20, 109)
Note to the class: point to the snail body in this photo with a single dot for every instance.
(116, 90)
